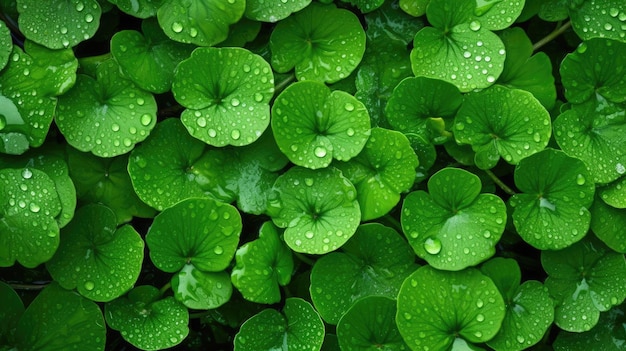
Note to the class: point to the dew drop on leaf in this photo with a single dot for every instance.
(177, 27)
(432, 246)
(89, 285)
(320, 151)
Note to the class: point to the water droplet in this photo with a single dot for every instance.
(201, 122)
(580, 179)
(88, 18)
(350, 132)
(34, 207)
(467, 54)
(235, 134)
(63, 30)
(491, 79)
(432, 246)
(608, 26)
(480, 317)
(115, 127)
(212, 133)
(193, 32)
(127, 142)
(146, 119)
(349, 107)
(520, 339)
(80, 6)
(479, 303)
(258, 97)
(89, 285)
(27, 173)
(177, 27)
(619, 168)
(309, 235)
(474, 25)
(308, 181)
(218, 250)
(320, 151)
(235, 102)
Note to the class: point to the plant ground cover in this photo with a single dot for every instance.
(297, 175)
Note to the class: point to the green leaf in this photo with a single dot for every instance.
(497, 14)
(381, 172)
(318, 208)
(414, 8)
(262, 266)
(226, 92)
(365, 6)
(11, 309)
(59, 24)
(454, 226)
(242, 32)
(107, 115)
(529, 309)
(588, 22)
(200, 22)
(374, 261)
(439, 309)
(322, 42)
(313, 125)
(201, 290)
(61, 320)
(273, 11)
(522, 129)
(298, 327)
(6, 44)
(148, 59)
(608, 224)
(426, 154)
(101, 261)
(523, 70)
(390, 23)
(552, 210)
(423, 106)
(370, 324)
(29, 232)
(609, 334)
(614, 194)
(138, 8)
(593, 70)
(148, 321)
(584, 279)
(178, 236)
(554, 10)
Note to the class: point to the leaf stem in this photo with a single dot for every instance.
(499, 182)
(392, 222)
(198, 315)
(560, 28)
(29, 286)
(283, 84)
(304, 258)
(165, 287)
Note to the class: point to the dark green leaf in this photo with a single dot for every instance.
(198, 289)
(138, 8)
(608, 225)
(11, 309)
(608, 335)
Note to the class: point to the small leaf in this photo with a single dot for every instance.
(262, 266)
(454, 226)
(414, 8)
(589, 23)
(374, 261)
(101, 261)
(6, 44)
(273, 11)
(608, 224)
(299, 327)
(614, 194)
(318, 208)
(322, 42)
(11, 309)
(201, 290)
(148, 321)
(609, 334)
(552, 210)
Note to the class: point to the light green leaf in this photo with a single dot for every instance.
(609, 334)
(138, 8)
(201, 290)
(599, 19)
(608, 224)
(6, 44)
(273, 11)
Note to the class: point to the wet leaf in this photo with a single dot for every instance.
(366, 6)
(609, 334)
(608, 224)
(201, 290)
(390, 23)
(138, 8)
(614, 194)
(273, 11)
(590, 22)
(415, 8)
(6, 44)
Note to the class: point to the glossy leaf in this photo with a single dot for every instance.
(390, 23)
(608, 224)
(6, 44)
(414, 7)
(298, 327)
(273, 11)
(99, 260)
(614, 194)
(552, 210)
(138, 8)
(148, 321)
(262, 266)
(588, 22)
(584, 279)
(321, 42)
(609, 334)
(226, 92)
(374, 261)
(439, 309)
(198, 289)
(11, 309)
(522, 129)
(453, 226)
(381, 172)
(317, 208)
(71, 21)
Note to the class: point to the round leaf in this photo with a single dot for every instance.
(138, 8)
(381, 172)
(94, 257)
(148, 321)
(614, 194)
(608, 334)
(322, 42)
(226, 92)
(454, 226)
(273, 11)
(6, 44)
(590, 22)
(437, 307)
(584, 279)
(107, 115)
(201, 290)
(313, 125)
(200, 22)
(201, 232)
(299, 327)
(318, 208)
(374, 262)
(370, 324)
(262, 266)
(552, 210)
(59, 24)
(521, 129)
(608, 225)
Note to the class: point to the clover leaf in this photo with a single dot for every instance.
(273, 11)
(423, 106)
(523, 70)
(312, 125)
(226, 92)
(589, 23)
(381, 172)
(148, 59)
(262, 266)
(147, 320)
(609, 334)
(521, 129)
(107, 115)
(439, 309)
(11, 309)
(322, 42)
(317, 208)
(552, 211)
(298, 327)
(608, 224)
(138, 8)
(593, 69)
(29, 232)
(200, 22)
(6, 44)
(584, 279)
(60, 320)
(374, 261)
(59, 24)
(370, 324)
(101, 261)
(529, 309)
(453, 226)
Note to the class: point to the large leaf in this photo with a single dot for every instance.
(599, 19)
